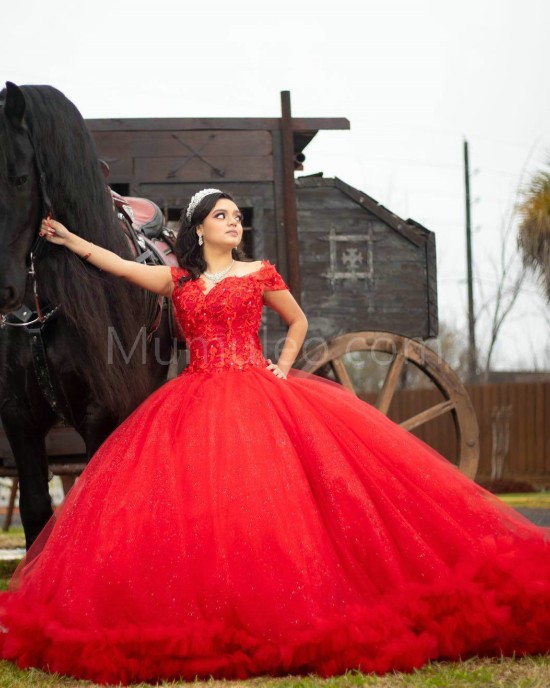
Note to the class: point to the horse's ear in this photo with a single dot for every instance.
(14, 107)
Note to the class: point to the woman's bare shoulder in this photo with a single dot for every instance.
(245, 267)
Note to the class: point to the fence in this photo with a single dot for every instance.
(528, 456)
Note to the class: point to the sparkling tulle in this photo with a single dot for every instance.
(238, 524)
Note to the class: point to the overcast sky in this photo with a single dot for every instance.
(414, 77)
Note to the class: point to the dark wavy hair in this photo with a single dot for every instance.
(188, 252)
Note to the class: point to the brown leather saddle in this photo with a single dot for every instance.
(151, 242)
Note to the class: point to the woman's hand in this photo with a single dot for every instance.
(54, 232)
(155, 278)
(275, 369)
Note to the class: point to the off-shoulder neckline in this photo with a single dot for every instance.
(264, 264)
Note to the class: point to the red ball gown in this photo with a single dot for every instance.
(239, 524)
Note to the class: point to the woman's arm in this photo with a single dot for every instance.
(155, 278)
(288, 308)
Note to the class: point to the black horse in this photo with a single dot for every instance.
(83, 324)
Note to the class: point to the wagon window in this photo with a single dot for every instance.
(122, 189)
(172, 217)
(247, 244)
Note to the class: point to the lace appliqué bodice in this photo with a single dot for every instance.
(221, 325)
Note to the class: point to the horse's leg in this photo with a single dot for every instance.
(26, 436)
(95, 426)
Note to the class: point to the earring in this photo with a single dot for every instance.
(201, 242)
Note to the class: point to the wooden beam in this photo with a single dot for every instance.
(289, 199)
(342, 375)
(55, 468)
(308, 124)
(158, 144)
(385, 396)
(427, 415)
(210, 170)
(278, 194)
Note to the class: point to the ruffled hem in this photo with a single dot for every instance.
(477, 613)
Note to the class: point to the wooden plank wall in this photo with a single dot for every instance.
(529, 454)
(340, 239)
(186, 156)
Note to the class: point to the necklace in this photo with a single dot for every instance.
(218, 276)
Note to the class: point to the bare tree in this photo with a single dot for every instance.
(451, 344)
(510, 275)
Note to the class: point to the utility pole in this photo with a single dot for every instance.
(472, 351)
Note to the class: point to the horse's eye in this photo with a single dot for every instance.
(19, 181)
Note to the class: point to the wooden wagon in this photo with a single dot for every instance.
(365, 277)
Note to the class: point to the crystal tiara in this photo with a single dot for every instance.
(196, 199)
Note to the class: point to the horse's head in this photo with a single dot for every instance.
(20, 202)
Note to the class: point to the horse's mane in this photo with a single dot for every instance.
(92, 301)
(7, 150)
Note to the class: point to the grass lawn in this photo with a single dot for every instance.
(528, 672)
(13, 538)
(532, 500)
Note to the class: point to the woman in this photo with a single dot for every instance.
(247, 519)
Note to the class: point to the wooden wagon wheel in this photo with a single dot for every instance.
(455, 397)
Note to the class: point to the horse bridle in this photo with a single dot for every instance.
(25, 312)
(34, 325)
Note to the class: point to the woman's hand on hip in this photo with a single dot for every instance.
(275, 369)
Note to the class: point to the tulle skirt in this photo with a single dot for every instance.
(237, 524)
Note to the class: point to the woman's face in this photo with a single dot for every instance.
(222, 227)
